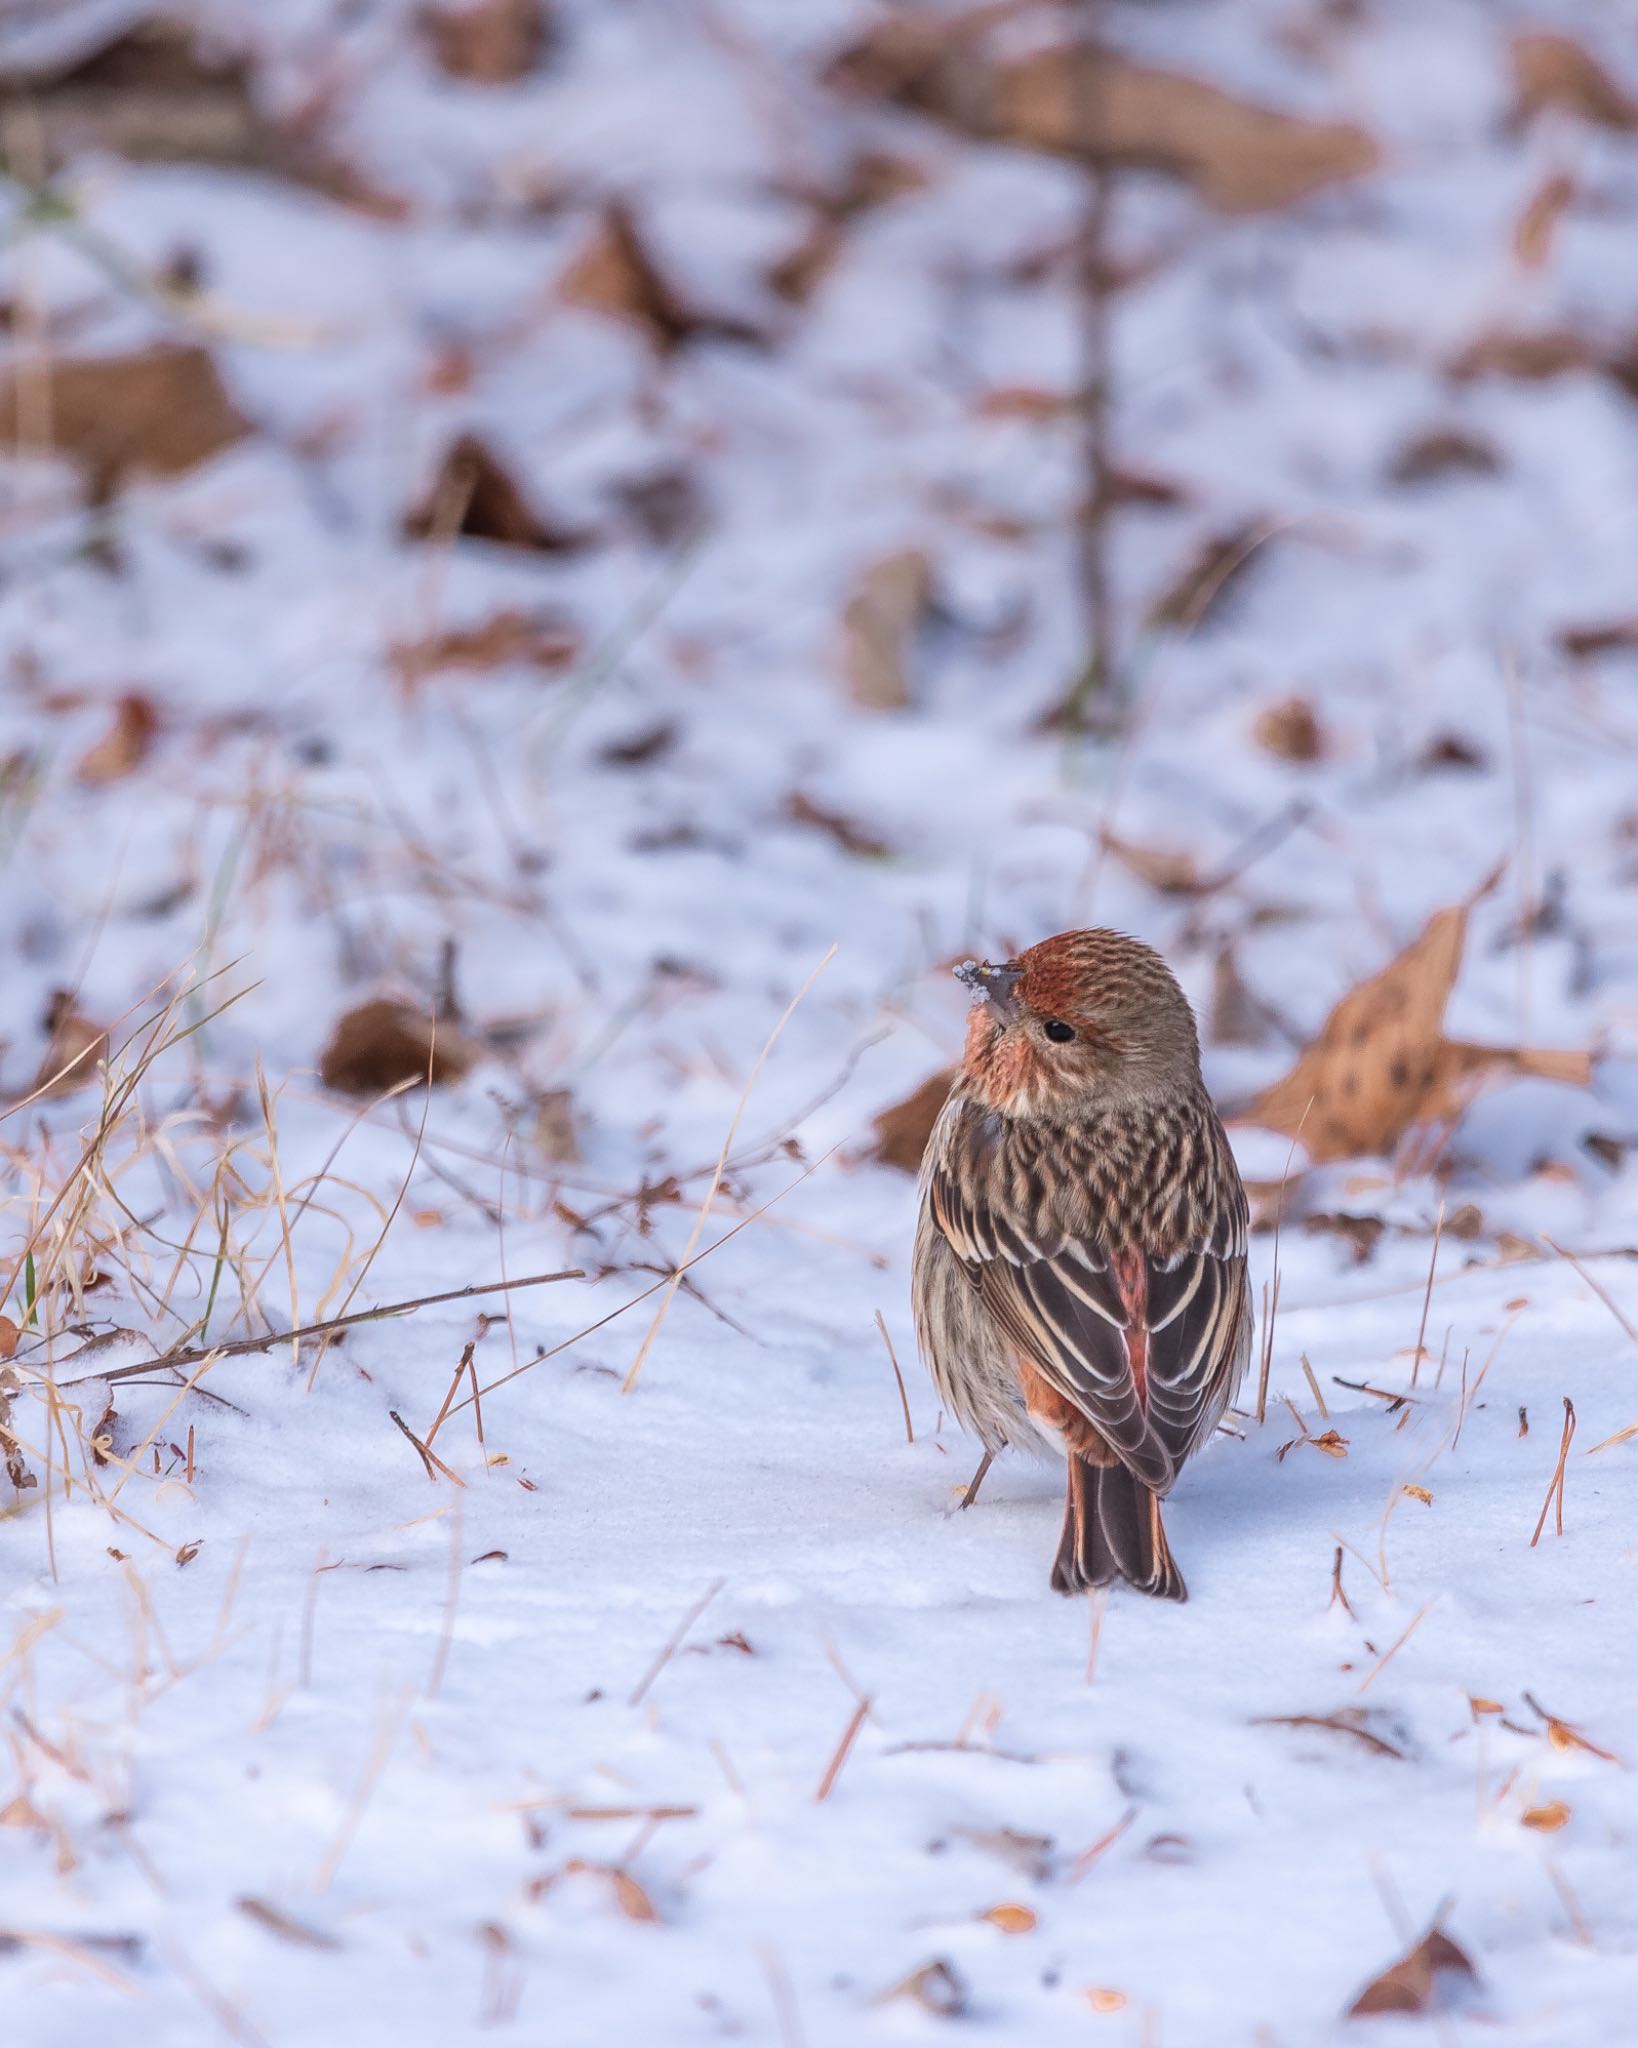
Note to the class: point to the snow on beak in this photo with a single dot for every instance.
(994, 983)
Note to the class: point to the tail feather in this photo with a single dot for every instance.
(1112, 1532)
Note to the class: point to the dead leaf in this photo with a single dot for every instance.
(1382, 1065)
(475, 495)
(1439, 452)
(189, 1551)
(385, 1041)
(1292, 730)
(554, 1129)
(617, 274)
(1615, 636)
(153, 90)
(631, 1898)
(1482, 1706)
(1527, 357)
(1451, 750)
(936, 1987)
(505, 640)
(159, 412)
(1564, 1736)
(887, 608)
(1074, 101)
(125, 745)
(1556, 71)
(9, 1334)
(637, 749)
(850, 836)
(1172, 872)
(489, 42)
(1197, 594)
(1420, 1493)
(1547, 1818)
(277, 1921)
(1409, 1985)
(1536, 226)
(1011, 1919)
(902, 1131)
(74, 1048)
(1029, 1854)
(1361, 1233)
(1104, 1998)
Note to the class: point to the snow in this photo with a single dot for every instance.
(419, 1723)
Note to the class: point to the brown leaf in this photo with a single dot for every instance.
(505, 640)
(936, 1987)
(489, 42)
(384, 1041)
(850, 836)
(9, 1334)
(1011, 1919)
(74, 1047)
(1556, 71)
(555, 1135)
(617, 274)
(1547, 1818)
(1528, 357)
(1614, 636)
(631, 1898)
(1536, 226)
(474, 494)
(874, 178)
(1096, 104)
(1172, 872)
(159, 412)
(1030, 1854)
(1409, 1984)
(902, 1131)
(277, 1921)
(1197, 594)
(1362, 1233)
(1441, 452)
(1381, 1064)
(1291, 729)
(882, 617)
(125, 745)
(151, 90)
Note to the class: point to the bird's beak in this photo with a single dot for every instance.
(995, 983)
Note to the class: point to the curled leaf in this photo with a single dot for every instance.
(1410, 1985)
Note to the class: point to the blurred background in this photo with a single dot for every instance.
(535, 534)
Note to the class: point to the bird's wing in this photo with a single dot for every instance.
(1147, 1348)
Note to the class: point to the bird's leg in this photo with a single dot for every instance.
(977, 1480)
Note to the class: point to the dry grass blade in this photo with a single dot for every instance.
(674, 1641)
(1427, 1295)
(1555, 1488)
(675, 1279)
(893, 1360)
(850, 1735)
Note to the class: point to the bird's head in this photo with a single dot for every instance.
(1085, 1020)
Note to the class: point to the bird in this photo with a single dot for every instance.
(1079, 1273)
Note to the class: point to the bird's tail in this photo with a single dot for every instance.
(1112, 1531)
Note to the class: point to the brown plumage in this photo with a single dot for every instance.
(1080, 1262)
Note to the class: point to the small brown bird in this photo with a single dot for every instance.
(1080, 1260)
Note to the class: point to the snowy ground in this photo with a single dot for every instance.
(308, 1746)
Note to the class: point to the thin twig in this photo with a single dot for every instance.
(240, 1346)
(1397, 1645)
(893, 1360)
(1553, 1245)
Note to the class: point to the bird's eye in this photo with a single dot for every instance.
(1060, 1033)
